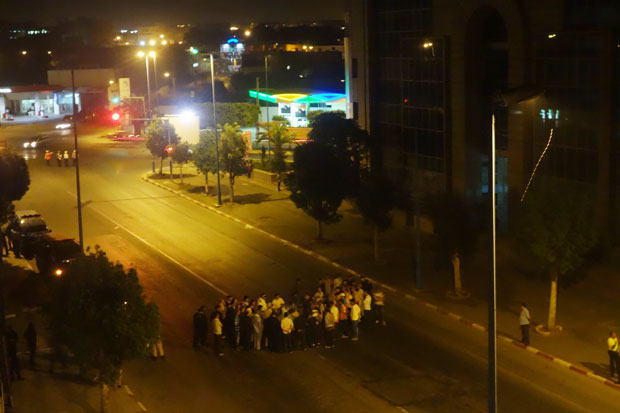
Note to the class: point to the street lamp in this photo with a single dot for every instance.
(148, 79)
(507, 98)
(154, 56)
(217, 150)
(266, 91)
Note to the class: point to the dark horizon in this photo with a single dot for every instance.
(143, 12)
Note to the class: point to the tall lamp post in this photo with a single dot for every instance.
(217, 145)
(266, 91)
(154, 56)
(148, 80)
(507, 98)
(77, 165)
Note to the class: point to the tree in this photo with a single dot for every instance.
(15, 180)
(99, 311)
(245, 114)
(204, 157)
(278, 135)
(555, 226)
(375, 201)
(159, 135)
(232, 154)
(317, 183)
(456, 232)
(181, 155)
(350, 144)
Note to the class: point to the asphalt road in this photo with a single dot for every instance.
(187, 256)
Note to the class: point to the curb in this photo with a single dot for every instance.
(454, 316)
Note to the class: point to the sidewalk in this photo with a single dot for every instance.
(587, 309)
(42, 391)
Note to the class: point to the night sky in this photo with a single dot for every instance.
(137, 12)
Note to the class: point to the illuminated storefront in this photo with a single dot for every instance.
(36, 100)
(296, 106)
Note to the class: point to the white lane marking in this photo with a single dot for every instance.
(189, 270)
(402, 409)
(387, 287)
(141, 406)
(128, 390)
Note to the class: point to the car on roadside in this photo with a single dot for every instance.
(116, 135)
(24, 230)
(63, 125)
(36, 142)
(55, 252)
(129, 138)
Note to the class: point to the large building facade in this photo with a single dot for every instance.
(425, 76)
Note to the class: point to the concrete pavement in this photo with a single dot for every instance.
(421, 361)
(582, 343)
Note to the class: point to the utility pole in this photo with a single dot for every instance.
(77, 164)
(257, 103)
(217, 144)
(268, 118)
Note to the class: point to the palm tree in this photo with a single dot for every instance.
(278, 135)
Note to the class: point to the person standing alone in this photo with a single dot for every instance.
(31, 340)
(614, 357)
(524, 322)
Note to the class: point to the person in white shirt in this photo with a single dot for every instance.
(614, 357)
(277, 302)
(524, 322)
(366, 313)
(355, 316)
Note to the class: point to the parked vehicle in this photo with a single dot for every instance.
(24, 230)
(54, 253)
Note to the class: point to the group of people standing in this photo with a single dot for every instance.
(335, 310)
(60, 157)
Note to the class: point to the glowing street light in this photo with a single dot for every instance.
(142, 43)
(111, 82)
(164, 42)
(167, 74)
(247, 33)
(24, 52)
(152, 42)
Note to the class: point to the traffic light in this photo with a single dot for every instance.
(169, 149)
(116, 116)
(116, 100)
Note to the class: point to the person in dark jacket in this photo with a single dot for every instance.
(246, 329)
(272, 326)
(299, 332)
(30, 335)
(11, 352)
(200, 328)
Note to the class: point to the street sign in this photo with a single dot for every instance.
(124, 88)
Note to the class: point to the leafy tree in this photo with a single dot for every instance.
(555, 226)
(350, 144)
(232, 154)
(317, 183)
(280, 118)
(455, 229)
(278, 135)
(204, 156)
(181, 155)
(159, 135)
(14, 181)
(245, 114)
(375, 201)
(99, 311)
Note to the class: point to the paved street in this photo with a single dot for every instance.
(187, 256)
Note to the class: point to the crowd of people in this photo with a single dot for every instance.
(335, 310)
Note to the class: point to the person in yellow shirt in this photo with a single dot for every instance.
(614, 357)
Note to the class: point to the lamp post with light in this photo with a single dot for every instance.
(506, 98)
(217, 150)
(148, 79)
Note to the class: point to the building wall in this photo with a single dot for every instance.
(431, 106)
(93, 78)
